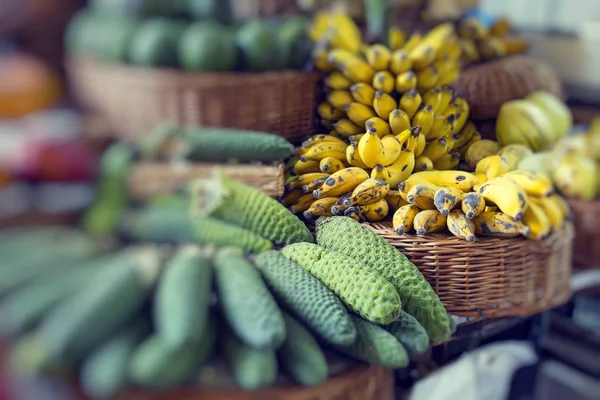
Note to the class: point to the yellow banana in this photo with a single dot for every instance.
(534, 184)
(406, 81)
(408, 138)
(339, 99)
(368, 192)
(326, 124)
(492, 166)
(378, 56)
(370, 148)
(470, 54)
(460, 226)
(353, 157)
(322, 150)
(395, 200)
(498, 224)
(427, 78)
(356, 138)
(397, 172)
(420, 146)
(443, 65)
(404, 217)
(442, 126)
(378, 125)
(424, 118)
(363, 93)
(436, 149)
(491, 47)
(345, 128)
(321, 208)
(400, 63)
(440, 35)
(412, 42)
(537, 221)
(329, 112)
(319, 56)
(449, 76)
(552, 210)
(384, 104)
(291, 197)
(446, 95)
(358, 71)
(337, 81)
(422, 55)
(410, 102)
(482, 179)
(462, 116)
(472, 204)
(304, 167)
(463, 149)
(461, 180)
(405, 186)
(429, 221)
(329, 165)
(339, 57)
(422, 196)
(354, 213)
(376, 211)
(296, 182)
(423, 163)
(509, 197)
(384, 81)
(341, 182)
(451, 51)
(465, 134)
(432, 98)
(359, 113)
(446, 199)
(338, 208)
(447, 162)
(313, 185)
(396, 37)
(391, 150)
(302, 204)
(562, 204)
(321, 138)
(399, 121)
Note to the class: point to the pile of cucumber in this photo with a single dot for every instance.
(160, 317)
(195, 35)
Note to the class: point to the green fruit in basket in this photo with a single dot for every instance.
(363, 290)
(218, 10)
(207, 47)
(260, 48)
(410, 333)
(346, 236)
(155, 42)
(292, 34)
(214, 231)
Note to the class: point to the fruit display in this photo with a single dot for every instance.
(196, 36)
(483, 38)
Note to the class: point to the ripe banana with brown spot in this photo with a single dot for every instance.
(322, 150)
(296, 182)
(442, 126)
(498, 224)
(378, 125)
(338, 208)
(354, 213)
(433, 98)
(465, 134)
(329, 165)
(447, 199)
(509, 197)
(320, 208)
(359, 113)
(404, 217)
(353, 157)
(397, 172)
(492, 166)
(447, 94)
(410, 102)
(552, 210)
(341, 182)
(328, 112)
(422, 196)
(363, 93)
(405, 186)
(305, 167)
(436, 149)
(302, 204)
(461, 180)
(321, 138)
(376, 211)
(534, 184)
(291, 197)
(384, 104)
(356, 138)
(460, 226)
(368, 192)
(399, 121)
(422, 163)
(429, 221)
(447, 162)
(313, 185)
(537, 221)
(384, 81)
(424, 118)
(370, 148)
(346, 128)
(472, 204)
(395, 200)
(391, 149)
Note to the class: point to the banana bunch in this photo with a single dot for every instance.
(493, 201)
(480, 41)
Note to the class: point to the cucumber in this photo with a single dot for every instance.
(22, 309)
(214, 231)
(17, 243)
(247, 305)
(410, 333)
(181, 304)
(156, 364)
(300, 355)
(251, 368)
(375, 345)
(106, 370)
(157, 225)
(106, 302)
(304, 295)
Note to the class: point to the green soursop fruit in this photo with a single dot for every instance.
(375, 345)
(221, 233)
(363, 290)
(346, 236)
(231, 201)
(306, 297)
(410, 333)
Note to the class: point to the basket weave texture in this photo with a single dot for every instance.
(134, 100)
(586, 245)
(150, 178)
(493, 277)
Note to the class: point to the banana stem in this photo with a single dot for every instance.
(377, 19)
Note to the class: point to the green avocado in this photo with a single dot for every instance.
(207, 47)
(260, 48)
(216, 10)
(292, 35)
(155, 43)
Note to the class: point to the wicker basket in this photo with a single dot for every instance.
(492, 277)
(148, 178)
(586, 245)
(243, 10)
(134, 100)
(489, 85)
